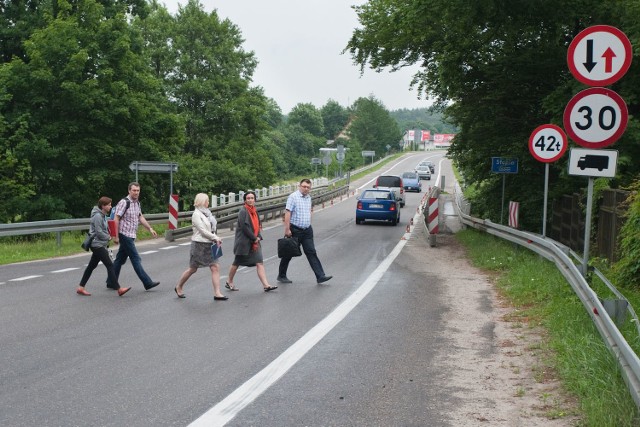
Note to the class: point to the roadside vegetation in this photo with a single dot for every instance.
(574, 352)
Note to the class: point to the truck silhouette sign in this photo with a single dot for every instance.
(593, 162)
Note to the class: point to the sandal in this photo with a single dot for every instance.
(270, 288)
(231, 288)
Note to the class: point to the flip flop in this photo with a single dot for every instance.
(231, 288)
(270, 288)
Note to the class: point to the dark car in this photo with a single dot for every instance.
(379, 205)
(412, 182)
(394, 183)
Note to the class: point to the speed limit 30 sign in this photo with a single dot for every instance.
(596, 117)
(547, 143)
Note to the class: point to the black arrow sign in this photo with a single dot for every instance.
(590, 64)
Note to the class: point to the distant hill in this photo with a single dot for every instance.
(422, 118)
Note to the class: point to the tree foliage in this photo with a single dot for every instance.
(498, 70)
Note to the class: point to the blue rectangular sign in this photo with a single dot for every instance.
(504, 165)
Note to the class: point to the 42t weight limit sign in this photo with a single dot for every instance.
(596, 117)
(547, 143)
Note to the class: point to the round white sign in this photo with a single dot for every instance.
(547, 143)
(596, 117)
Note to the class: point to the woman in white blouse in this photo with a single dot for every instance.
(204, 236)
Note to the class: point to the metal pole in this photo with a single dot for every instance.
(546, 194)
(502, 205)
(587, 228)
(170, 180)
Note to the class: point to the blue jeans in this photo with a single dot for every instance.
(128, 249)
(305, 238)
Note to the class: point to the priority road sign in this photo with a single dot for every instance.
(595, 117)
(599, 55)
(593, 163)
(547, 143)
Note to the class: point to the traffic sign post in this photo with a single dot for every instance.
(599, 55)
(596, 117)
(547, 144)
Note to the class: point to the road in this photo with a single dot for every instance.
(370, 347)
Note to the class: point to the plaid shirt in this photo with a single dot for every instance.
(129, 223)
(300, 208)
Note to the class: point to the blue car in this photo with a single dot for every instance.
(412, 182)
(380, 205)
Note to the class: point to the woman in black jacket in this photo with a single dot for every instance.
(246, 248)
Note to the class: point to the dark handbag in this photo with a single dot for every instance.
(86, 245)
(288, 247)
(216, 251)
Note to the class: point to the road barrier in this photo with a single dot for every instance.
(559, 254)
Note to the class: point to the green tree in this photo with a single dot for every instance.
(209, 85)
(335, 117)
(308, 118)
(79, 107)
(499, 71)
(373, 127)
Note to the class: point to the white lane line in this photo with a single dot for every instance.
(244, 395)
(64, 270)
(184, 244)
(20, 279)
(148, 252)
(168, 247)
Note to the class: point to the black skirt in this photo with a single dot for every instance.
(250, 260)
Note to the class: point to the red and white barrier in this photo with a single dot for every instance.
(173, 212)
(433, 215)
(514, 208)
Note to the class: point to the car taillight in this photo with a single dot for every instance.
(401, 190)
(392, 207)
(360, 205)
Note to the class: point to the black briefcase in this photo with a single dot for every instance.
(288, 247)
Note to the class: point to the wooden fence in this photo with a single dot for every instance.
(567, 223)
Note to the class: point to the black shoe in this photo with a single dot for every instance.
(283, 279)
(151, 285)
(220, 298)
(270, 288)
(324, 279)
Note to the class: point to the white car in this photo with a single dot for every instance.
(424, 172)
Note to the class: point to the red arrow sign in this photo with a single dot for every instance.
(599, 55)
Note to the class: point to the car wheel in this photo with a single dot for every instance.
(358, 221)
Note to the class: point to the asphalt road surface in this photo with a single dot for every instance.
(364, 349)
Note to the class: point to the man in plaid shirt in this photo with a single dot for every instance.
(127, 221)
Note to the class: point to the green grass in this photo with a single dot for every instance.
(574, 349)
(43, 246)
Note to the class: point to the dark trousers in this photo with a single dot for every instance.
(305, 238)
(97, 255)
(128, 250)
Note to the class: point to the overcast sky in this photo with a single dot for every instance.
(298, 44)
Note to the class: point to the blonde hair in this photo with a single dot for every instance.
(200, 200)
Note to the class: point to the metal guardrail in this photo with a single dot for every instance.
(626, 357)
(268, 207)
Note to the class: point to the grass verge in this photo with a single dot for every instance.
(574, 349)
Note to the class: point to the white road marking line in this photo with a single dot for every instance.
(20, 279)
(64, 270)
(185, 244)
(148, 252)
(244, 395)
(168, 247)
